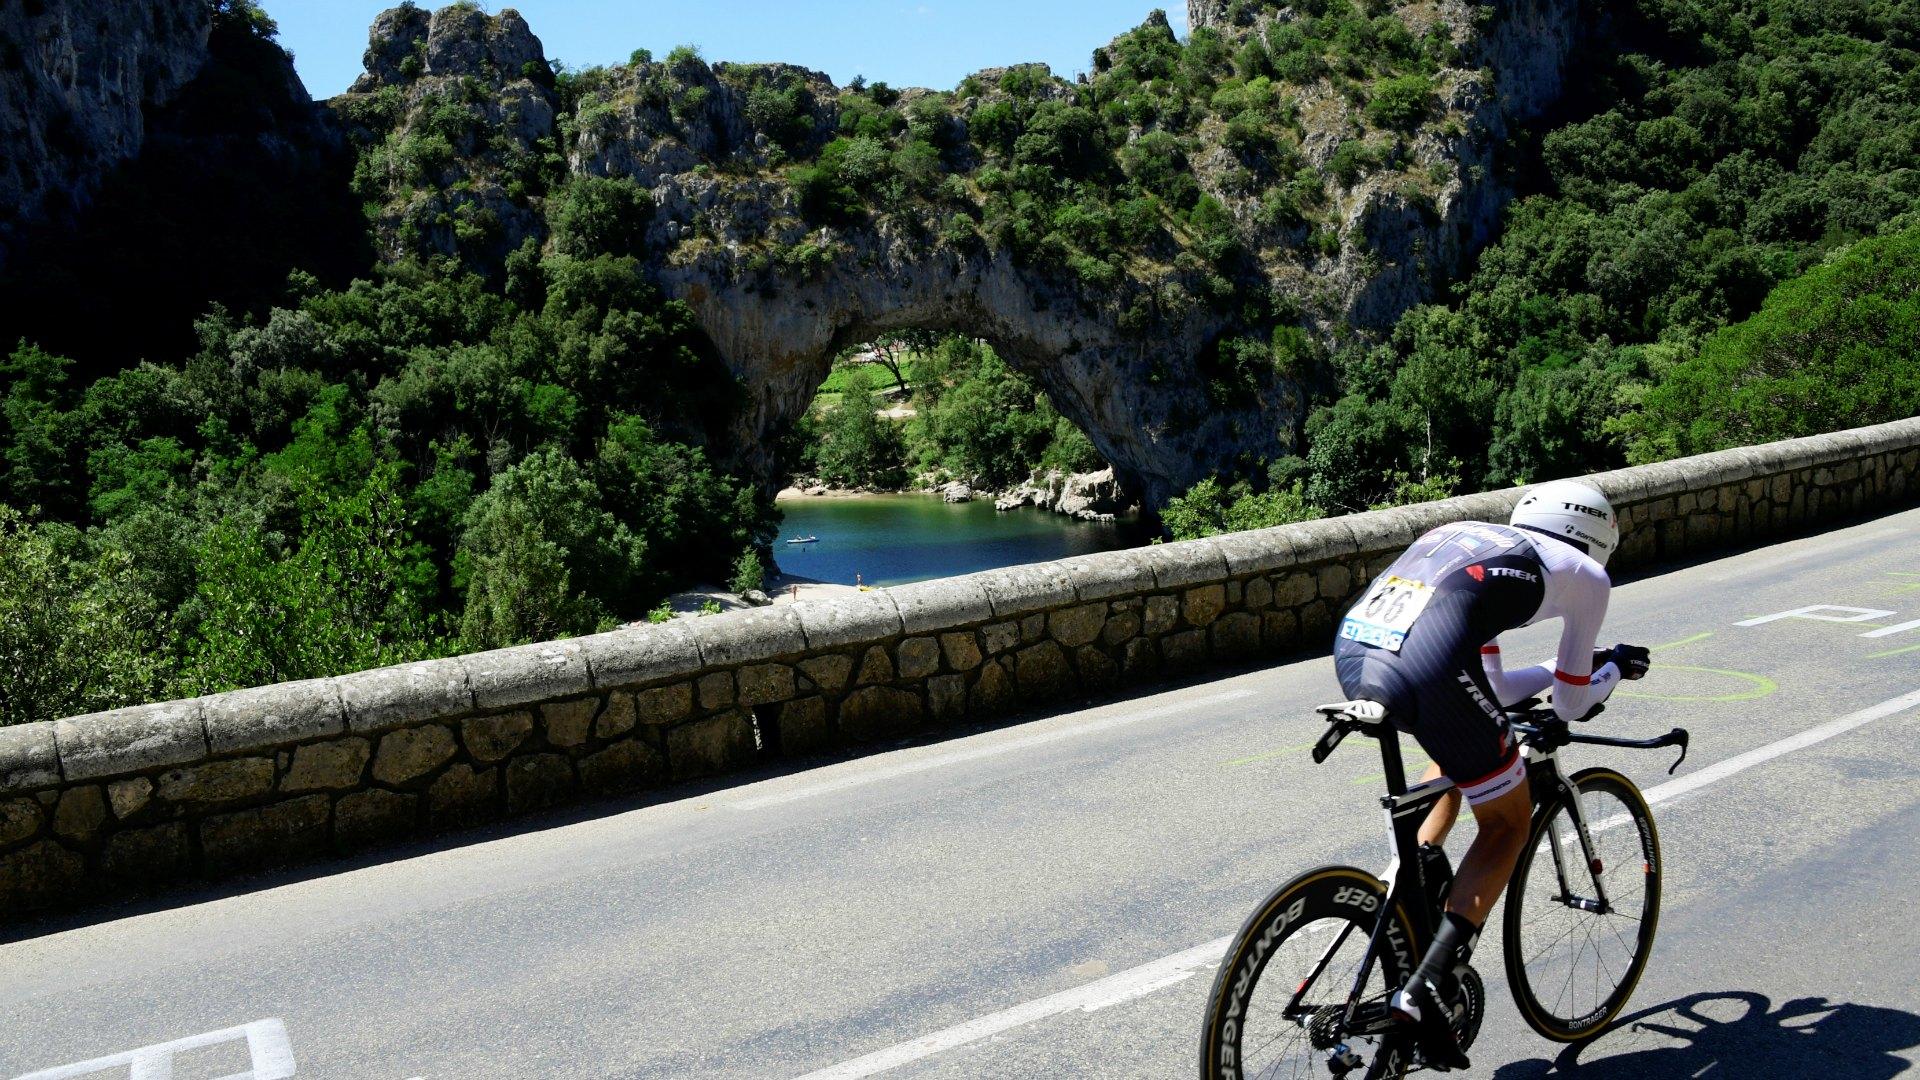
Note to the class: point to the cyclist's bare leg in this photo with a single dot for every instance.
(1440, 819)
(1489, 861)
(1483, 873)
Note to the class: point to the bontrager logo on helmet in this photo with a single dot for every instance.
(1574, 511)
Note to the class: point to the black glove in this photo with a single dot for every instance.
(1632, 660)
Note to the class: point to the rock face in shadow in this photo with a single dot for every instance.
(77, 78)
(158, 160)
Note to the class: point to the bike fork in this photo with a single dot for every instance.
(1599, 903)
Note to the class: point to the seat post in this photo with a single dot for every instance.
(1390, 756)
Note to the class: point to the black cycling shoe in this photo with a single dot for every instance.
(1419, 1005)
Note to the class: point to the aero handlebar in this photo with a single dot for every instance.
(1542, 727)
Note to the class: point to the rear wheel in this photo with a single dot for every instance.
(1571, 961)
(1277, 1010)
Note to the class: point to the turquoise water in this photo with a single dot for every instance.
(891, 539)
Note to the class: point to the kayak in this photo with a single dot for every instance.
(804, 540)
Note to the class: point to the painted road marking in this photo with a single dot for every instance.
(1903, 586)
(267, 1046)
(1702, 636)
(1859, 615)
(937, 761)
(1889, 631)
(1758, 686)
(1159, 973)
(1892, 652)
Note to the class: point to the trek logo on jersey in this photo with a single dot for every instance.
(1480, 699)
(1480, 573)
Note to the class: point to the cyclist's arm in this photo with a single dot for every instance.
(1513, 687)
(1577, 685)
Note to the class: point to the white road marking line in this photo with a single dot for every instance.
(267, 1045)
(1140, 991)
(1166, 971)
(1742, 762)
(1095, 995)
(1896, 628)
(908, 768)
(1859, 614)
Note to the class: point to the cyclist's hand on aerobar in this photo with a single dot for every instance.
(1632, 660)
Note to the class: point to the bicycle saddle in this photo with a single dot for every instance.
(1359, 711)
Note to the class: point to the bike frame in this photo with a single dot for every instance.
(1542, 735)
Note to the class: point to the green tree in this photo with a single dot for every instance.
(1210, 507)
(77, 632)
(1401, 101)
(749, 573)
(856, 447)
(1831, 349)
(36, 439)
(349, 595)
(540, 556)
(596, 215)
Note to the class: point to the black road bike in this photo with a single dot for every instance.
(1303, 989)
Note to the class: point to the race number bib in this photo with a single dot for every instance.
(1383, 617)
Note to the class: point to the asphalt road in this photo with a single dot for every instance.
(1047, 898)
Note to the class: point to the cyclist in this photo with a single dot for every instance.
(1422, 642)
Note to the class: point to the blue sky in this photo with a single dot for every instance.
(901, 42)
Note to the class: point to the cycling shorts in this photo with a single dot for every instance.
(1436, 690)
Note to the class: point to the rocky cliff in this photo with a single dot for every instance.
(1285, 192)
(77, 78)
(161, 156)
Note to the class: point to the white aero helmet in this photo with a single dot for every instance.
(1573, 511)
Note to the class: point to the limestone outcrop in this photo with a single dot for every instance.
(1089, 496)
(462, 103)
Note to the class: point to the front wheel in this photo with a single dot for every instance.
(1279, 1003)
(1577, 930)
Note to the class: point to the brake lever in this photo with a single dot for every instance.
(1677, 737)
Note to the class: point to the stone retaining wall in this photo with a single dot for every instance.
(121, 800)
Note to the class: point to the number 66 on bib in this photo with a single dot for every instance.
(1383, 617)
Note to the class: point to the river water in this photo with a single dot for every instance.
(892, 539)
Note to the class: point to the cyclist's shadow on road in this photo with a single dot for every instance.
(1738, 1034)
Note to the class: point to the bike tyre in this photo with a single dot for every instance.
(1329, 892)
(1538, 1015)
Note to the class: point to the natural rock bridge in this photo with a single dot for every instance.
(1128, 358)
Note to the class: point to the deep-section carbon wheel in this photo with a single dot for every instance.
(1571, 961)
(1271, 1017)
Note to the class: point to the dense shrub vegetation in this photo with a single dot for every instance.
(1722, 254)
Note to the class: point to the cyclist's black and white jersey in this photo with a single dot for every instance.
(1423, 639)
(1575, 592)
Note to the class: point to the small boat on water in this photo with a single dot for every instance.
(804, 540)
